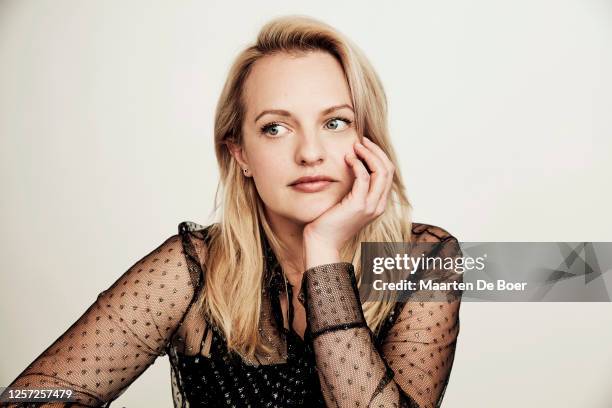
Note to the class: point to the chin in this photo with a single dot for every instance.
(309, 210)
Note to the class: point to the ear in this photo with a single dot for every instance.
(238, 153)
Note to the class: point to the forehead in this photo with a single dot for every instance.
(297, 83)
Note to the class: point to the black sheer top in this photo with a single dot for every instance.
(148, 312)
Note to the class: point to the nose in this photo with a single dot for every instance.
(310, 149)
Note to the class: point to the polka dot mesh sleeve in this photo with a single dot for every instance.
(409, 368)
(120, 335)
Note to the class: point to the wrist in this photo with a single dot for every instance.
(317, 253)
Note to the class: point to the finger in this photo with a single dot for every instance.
(374, 163)
(379, 153)
(391, 171)
(378, 178)
(382, 205)
(362, 178)
(383, 201)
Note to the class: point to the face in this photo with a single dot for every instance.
(299, 122)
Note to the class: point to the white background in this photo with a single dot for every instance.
(499, 110)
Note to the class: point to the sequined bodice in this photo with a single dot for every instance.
(224, 378)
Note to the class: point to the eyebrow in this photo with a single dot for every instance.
(282, 112)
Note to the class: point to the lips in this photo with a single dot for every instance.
(312, 184)
(311, 179)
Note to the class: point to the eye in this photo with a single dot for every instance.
(338, 123)
(271, 129)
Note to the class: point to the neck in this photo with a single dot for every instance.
(291, 258)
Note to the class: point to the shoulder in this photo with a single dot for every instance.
(159, 271)
(428, 233)
(193, 228)
(195, 239)
(433, 238)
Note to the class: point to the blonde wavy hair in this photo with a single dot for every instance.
(234, 258)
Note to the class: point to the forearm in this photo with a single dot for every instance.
(350, 367)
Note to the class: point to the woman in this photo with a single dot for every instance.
(307, 174)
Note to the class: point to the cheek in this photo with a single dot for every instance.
(343, 167)
(270, 175)
(261, 160)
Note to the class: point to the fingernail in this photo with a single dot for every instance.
(366, 139)
(360, 145)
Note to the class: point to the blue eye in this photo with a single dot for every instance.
(338, 126)
(271, 129)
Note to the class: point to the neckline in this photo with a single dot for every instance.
(275, 282)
